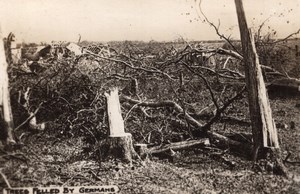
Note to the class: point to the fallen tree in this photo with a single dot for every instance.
(218, 139)
(168, 103)
(177, 145)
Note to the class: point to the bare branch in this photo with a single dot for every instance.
(287, 37)
(166, 103)
(178, 145)
(205, 82)
(127, 64)
(217, 29)
(222, 109)
(30, 117)
(261, 26)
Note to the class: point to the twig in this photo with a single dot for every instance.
(206, 84)
(30, 117)
(287, 37)
(261, 26)
(95, 175)
(127, 114)
(222, 109)
(287, 157)
(5, 179)
(156, 71)
(217, 29)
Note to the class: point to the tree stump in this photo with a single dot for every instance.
(118, 147)
(119, 144)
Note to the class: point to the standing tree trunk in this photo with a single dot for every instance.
(6, 119)
(263, 126)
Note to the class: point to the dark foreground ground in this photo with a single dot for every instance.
(46, 161)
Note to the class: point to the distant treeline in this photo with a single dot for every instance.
(137, 42)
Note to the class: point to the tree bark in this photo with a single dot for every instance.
(5, 106)
(118, 148)
(263, 127)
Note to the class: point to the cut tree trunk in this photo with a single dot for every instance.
(263, 127)
(5, 106)
(119, 144)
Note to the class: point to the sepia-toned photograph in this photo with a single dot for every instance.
(149, 96)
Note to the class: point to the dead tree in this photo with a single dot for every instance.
(263, 126)
(118, 144)
(6, 118)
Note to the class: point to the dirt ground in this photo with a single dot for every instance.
(46, 160)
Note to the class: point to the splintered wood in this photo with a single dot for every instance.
(115, 120)
(263, 127)
(5, 106)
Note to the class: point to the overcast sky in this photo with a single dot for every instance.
(161, 20)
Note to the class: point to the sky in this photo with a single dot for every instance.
(159, 20)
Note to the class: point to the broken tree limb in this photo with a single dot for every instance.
(179, 109)
(33, 125)
(236, 55)
(177, 145)
(221, 51)
(219, 140)
(5, 179)
(220, 110)
(129, 64)
(32, 120)
(224, 142)
(166, 103)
